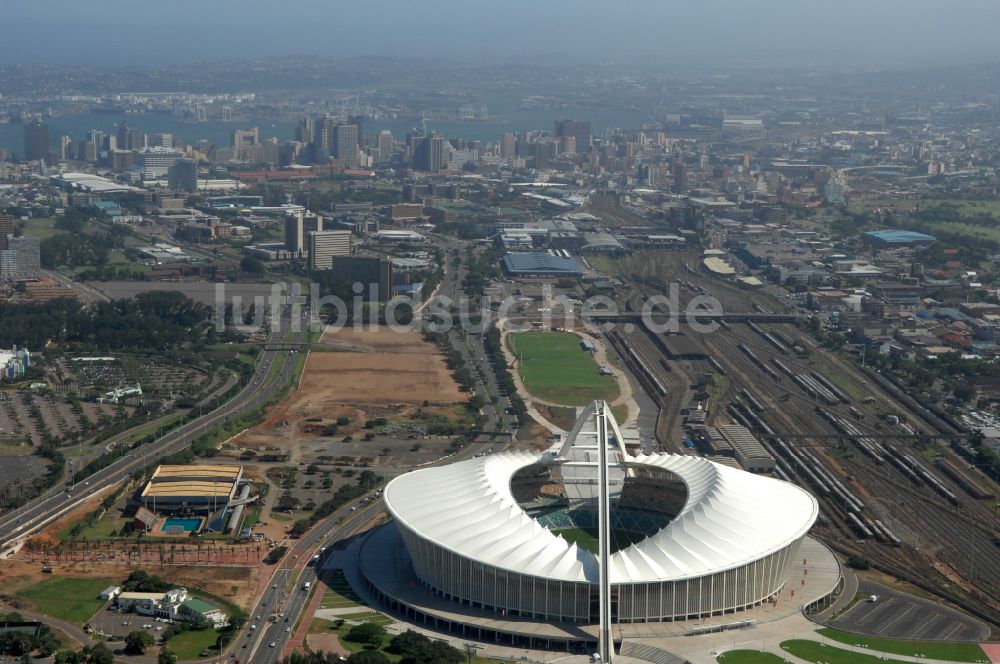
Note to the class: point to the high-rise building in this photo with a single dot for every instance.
(163, 140)
(375, 273)
(130, 138)
(155, 162)
(121, 160)
(294, 235)
(430, 153)
(183, 175)
(345, 145)
(6, 228)
(243, 140)
(384, 146)
(680, 178)
(359, 122)
(508, 145)
(22, 258)
(65, 148)
(578, 129)
(324, 245)
(36, 140)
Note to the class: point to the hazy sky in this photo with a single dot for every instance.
(151, 32)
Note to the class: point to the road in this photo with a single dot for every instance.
(20, 524)
(286, 595)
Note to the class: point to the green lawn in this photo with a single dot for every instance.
(368, 616)
(749, 657)
(339, 595)
(586, 538)
(72, 600)
(188, 645)
(814, 651)
(42, 227)
(554, 368)
(953, 652)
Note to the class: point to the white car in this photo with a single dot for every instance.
(272, 644)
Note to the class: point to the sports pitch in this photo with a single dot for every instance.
(554, 368)
(586, 538)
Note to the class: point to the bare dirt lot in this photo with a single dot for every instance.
(391, 367)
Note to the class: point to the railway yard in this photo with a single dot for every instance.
(891, 489)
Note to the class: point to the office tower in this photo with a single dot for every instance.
(359, 122)
(680, 178)
(27, 256)
(304, 132)
(65, 148)
(345, 145)
(384, 146)
(324, 245)
(163, 140)
(294, 234)
(243, 140)
(121, 160)
(545, 151)
(6, 228)
(36, 140)
(374, 272)
(89, 151)
(431, 153)
(155, 162)
(578, 129)
(567, 145)
(508, 145)
(183, 175)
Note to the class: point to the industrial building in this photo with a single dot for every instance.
(540, 264)
(897, 239)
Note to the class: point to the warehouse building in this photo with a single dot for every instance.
(540, 264)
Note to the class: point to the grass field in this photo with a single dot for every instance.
(748, 657)
(72, 600)
(952, 652)
(368, 616)
(554, 368)
(814, 651)
(42, 228)
(339, 595)
(188, 645)
(586, 538)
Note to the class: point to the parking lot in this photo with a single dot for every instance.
(902, 616)
(110, 621)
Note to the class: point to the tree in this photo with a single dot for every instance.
(137, 641)
(366, 634)
(416, 648)
(166, 657)
(252, 265)
(16, 643)
(100, 654)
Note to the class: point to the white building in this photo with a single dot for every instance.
(174, 604)
(324, 245)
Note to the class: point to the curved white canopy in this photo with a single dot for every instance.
(731, 518)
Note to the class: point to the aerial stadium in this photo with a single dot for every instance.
(538, 535)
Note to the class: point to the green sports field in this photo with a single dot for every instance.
(554, 368)
(749, 657)
(586, 538)
(69, 599)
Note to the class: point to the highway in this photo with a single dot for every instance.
(20, 524)
(286, 595)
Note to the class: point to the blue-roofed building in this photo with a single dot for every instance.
(899, 239)
(540, 264)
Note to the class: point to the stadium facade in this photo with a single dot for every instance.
(686, 538)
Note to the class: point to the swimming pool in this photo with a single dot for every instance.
(178, 525)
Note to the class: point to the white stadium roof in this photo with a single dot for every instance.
(730, 518)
